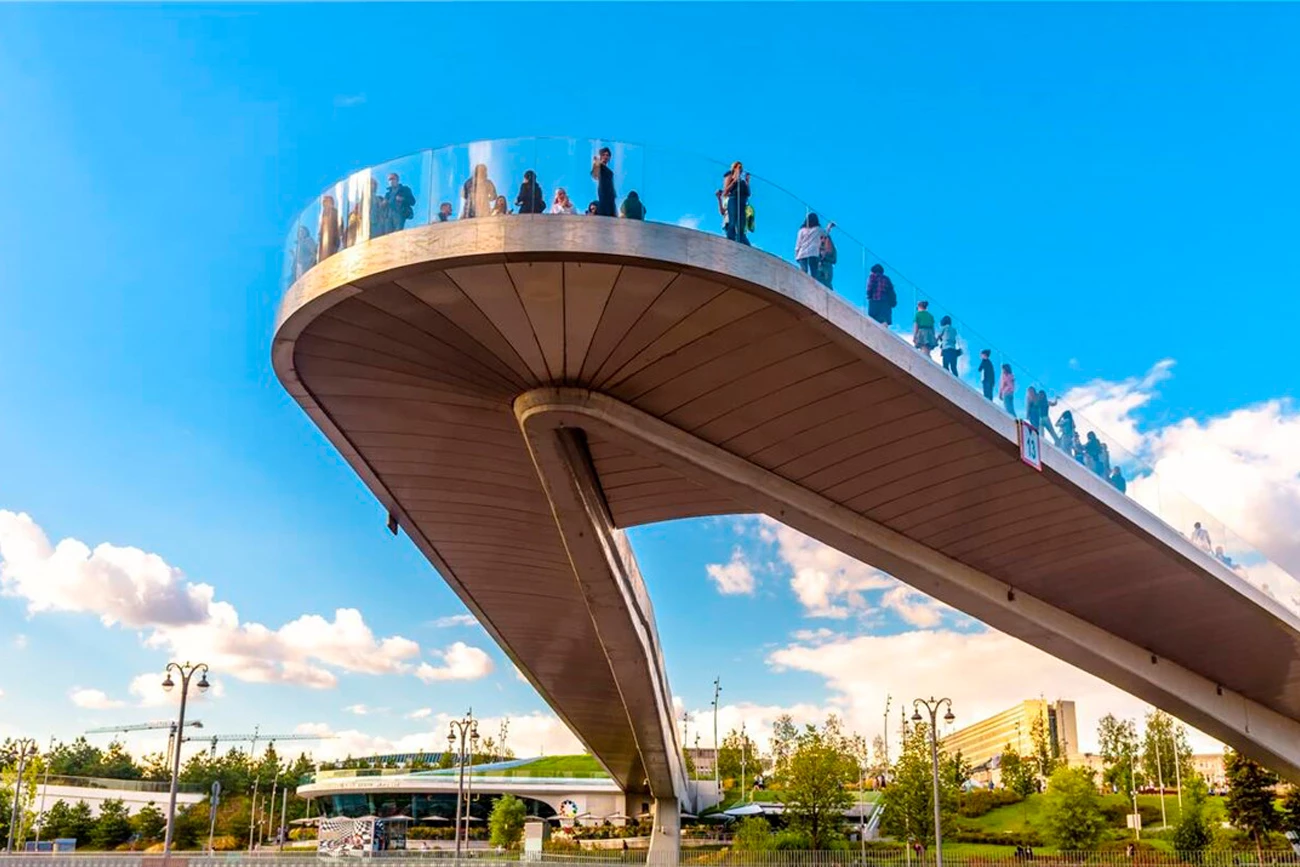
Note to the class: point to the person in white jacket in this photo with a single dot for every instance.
(808, 246)
(561, 205)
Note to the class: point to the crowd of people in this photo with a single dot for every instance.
(814, 251)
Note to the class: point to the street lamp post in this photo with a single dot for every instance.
(462, 731)
(186, 671)
(26, 750)
(932, 705)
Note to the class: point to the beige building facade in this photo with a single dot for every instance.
(1014, 727)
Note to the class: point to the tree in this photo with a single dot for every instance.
(1291, 811)
(1193, 833)
(1017, 774)
(32, 769)
(506, 822)
(1072, 816)
(116, 763)
(909, 798)
(1165, 751)
(150, 823)
(446, 759)
(784, 735)
(1119, 746)
(1250, 797)
(735, 746)
(815, 780)
(1046, 749)
(688, 763)
(752, 834)
(81, 823)
(113, 827)
(957, 769)
(78, 759)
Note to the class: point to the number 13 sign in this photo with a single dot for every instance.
(1030, 444)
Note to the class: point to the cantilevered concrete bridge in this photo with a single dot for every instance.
(517, 390)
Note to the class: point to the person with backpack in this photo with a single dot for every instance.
(399, 203)
(881, 298)
(735, 199)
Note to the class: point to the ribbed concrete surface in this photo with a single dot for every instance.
(409, 351)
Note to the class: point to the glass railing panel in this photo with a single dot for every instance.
(396, 195)
(687, 190)
(563, 167)
(358, 204)
(844, 265)
(778, 219)
(512, 171)
(617, 180)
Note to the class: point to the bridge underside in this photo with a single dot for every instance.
(515, 390)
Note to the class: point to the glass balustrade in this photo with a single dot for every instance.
(537, 178)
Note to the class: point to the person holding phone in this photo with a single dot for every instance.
(603, 175)
(735, 194)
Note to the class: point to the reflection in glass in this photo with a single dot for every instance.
(304, 252)
(330, 229)
(390, 211)
(479, 195)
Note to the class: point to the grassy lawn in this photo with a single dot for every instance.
(1027, 815)
(556, 766)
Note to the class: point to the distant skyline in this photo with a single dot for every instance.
(1108, 191)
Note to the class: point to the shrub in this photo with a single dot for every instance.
(977, 802)
(996, 838)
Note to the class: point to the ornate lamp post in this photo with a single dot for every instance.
(462, 732)
(186, 671)
(932, 705)
(26, 750)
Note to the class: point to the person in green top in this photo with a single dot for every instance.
(923, 329)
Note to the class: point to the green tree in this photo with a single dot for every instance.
(752, 834)
(1072, 817)
(957, 769)
(150, 823)
(78, 759)
(1046, 749)
(113, 828)
(32, 770)
(56, 822)
(688, 763)
(116, 763)
(1193, 833)
(1165, 751)
(81, 823)
(735, 746)
(784, 735)
(446, 759)
(909, 798)
(1291, 811)
(1250, 797)
(816, 780)
(506, 822)
(1017, 774)
(1119, 747)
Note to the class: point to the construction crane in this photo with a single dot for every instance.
(170, 725)
(252, 739)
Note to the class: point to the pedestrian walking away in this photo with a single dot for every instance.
(808, 246)
(948, 348)
(986, 373)
(1007, 389)
(923, 328)
(881, 298)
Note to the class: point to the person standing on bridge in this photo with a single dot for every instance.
(734, 198)
(1007, 389)
(530, 199)
(603, 175)
(881, 298)
(808, 246)
(1117, 480)
(986, 372)
(948, 348)
(923, 329)
(1201, 538)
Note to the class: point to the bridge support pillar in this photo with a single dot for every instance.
(666, 838)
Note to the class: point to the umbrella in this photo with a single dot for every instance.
(745, 810)
(314, 820)
(533, 819)
(398, 819)
(616, 816)
(435, 819)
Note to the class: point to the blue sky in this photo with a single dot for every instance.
(1099, 188)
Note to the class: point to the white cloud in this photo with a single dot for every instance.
(358, 709)
(138, 590)
(827, 582)
(690, 221)
(455, 620)
(420, 713)
(757, 720)
(915, 607)
(1108, 407)
(733, 578)
(531, 734)
(460, 661)
(93, 699)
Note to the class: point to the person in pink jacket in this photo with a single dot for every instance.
(1007, 389)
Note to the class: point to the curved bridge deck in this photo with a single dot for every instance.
(678, 374)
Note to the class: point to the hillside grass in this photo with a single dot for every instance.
(554, 766)
(1027, 815)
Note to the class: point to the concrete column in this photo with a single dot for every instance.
(666, 838)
